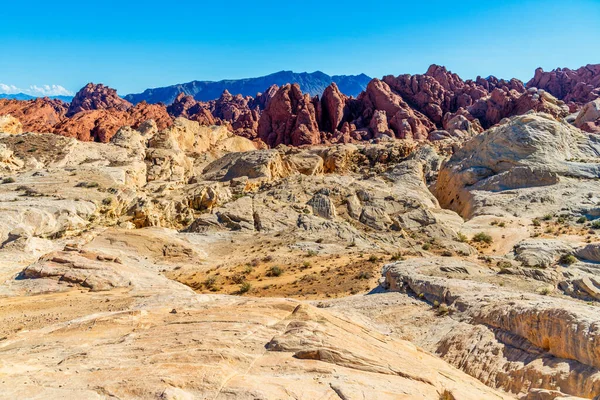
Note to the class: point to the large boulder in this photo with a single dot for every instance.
(527, 151)
(588, 119)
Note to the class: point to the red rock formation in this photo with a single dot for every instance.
(184, 106)
(39, 115)
(143, 111)
(407, 106)
(97, 97)
(262, 99)
(578, 86)
(490, 83)
(93, 125)
(437, 92)
(503, 103)
(241, 114)
(379, 125)
(289, 118)
(239, 111)
(403, 120)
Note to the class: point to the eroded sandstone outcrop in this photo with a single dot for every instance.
(504, 338)
(9, 124)
(528, 151)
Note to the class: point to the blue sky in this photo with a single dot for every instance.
(133, 45)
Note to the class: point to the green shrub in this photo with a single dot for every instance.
(482, 237)
(426, 246)
(596, 224)
(210, 282)
(547, 217)
(238, 278)
(581, 220)
(88, 185)
(245, 287)
(461, 237)
(536, 222)
(546, 291)
(8, 180)
(443, 309)
(275, 271)
(396, 257)
(364, 275)
(567, 259)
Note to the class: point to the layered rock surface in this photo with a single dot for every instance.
(155, 255)
(531, 151)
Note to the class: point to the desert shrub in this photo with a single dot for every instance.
(596, 224)
(536, 222)
(10, 179)
(546, 291)
(373, 258)
(482, 237)
(309, 278)
(245, 287)
(88, 185)
(567, 259)
(582, 220)
(210, 282)
(503, 265)
(364, 275)
(238, 278)
(426, 246)
(461, 237)
(396, 257)
(275, 271)
(443, 309)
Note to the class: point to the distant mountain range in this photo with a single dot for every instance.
(313, 83)
(23, 96)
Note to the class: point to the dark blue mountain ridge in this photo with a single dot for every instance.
(313, 83)
(23, 96)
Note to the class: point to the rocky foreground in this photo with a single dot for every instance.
(181, 262)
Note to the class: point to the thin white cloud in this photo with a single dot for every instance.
(37, 91)
(48, 90)
(8, 89)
